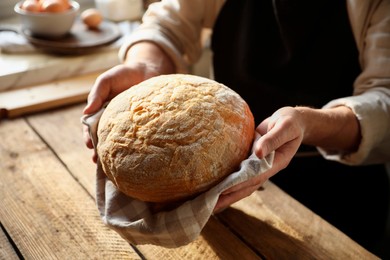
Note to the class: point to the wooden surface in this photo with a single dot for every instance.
(14, 103)
(48, 211)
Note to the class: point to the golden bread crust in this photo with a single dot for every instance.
(173, 136)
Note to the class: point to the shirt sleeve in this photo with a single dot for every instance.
(371, 98)
(372, 109)
(176, 26)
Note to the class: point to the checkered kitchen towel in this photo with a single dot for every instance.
(139, 223)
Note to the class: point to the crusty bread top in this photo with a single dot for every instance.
(173, 136)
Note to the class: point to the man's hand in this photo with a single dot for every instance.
(282, 133)
(334, 129)
(144, 60)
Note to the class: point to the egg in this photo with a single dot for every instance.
(66, 4)
(30, 6)
(92, 18)
(53, 6)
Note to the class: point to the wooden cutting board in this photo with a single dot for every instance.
(51, 95)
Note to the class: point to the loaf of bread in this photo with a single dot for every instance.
(172, 137)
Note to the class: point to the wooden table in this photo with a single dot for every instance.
(48, 211)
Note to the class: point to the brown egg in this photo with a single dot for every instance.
(66, 4)
(92, 18)
(53, 6)
(30, 6)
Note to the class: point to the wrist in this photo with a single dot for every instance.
(334, 129)
(305, 118)
(151, 55)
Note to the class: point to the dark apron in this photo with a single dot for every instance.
(302, 52)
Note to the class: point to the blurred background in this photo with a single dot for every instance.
(7, 7)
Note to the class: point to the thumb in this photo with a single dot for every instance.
(260, 150)
(263, 127)
(93, 105)
(261, 147)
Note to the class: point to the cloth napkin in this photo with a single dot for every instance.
(139, 223)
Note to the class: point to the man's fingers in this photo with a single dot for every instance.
(256, 181)
(279, 133)
(227, 199)
(100, 92)
(266, 144)
(262, 128)
(93, 106)
(87, 137)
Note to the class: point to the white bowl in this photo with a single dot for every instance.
(52, 25)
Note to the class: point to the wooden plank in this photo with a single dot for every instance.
(269, 221)
(215, 242)
(37, 98)
(62, 131)
(280, 227)
(6, 250)
(44, 209)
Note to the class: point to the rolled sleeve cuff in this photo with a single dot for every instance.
(372, 113)
(160, 40)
